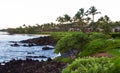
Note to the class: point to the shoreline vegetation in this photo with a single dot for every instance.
(72, 46)
(85, 45)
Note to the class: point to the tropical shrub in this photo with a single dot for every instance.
(114, 52)
(94, 36)
(94, 46)
(58, 35)
(90, 65)
(74, 41)
(113, 43)
(115, 35)
(116, 61)
(99, 45)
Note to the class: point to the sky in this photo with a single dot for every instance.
(15, 13)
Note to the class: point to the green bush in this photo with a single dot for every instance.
(116, 61)
(58, 35)
(98, 45)
(114, 52)
(113, 44)
(94, 36)
(90, 65)
(115, 35)
(74, 41)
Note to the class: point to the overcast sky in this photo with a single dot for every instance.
(14, 13)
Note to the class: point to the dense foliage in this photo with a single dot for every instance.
(99, 45)
(115, 35)
(86, 44)
(94, 36)
(116, 61)
(90, 65)
(72, 42)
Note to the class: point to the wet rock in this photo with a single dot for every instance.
(28, 45)
(29, 57)
(49, 59)
(25, 45)
(15, 44)
(47, 48)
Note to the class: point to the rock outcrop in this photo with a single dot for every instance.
(30, 66)
(47, 40)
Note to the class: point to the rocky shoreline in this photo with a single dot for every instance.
(46, 40)
(32, 66)
(39, 41)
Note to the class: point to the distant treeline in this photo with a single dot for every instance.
(80, 22)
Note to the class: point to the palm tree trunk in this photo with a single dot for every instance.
(93, 18)
(93, 22)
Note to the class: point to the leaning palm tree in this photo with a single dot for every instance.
(79, 15)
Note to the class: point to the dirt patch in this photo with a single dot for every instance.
(101, 55)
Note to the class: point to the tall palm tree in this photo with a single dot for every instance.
(92, 11)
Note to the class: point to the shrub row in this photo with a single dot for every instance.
(93, 65)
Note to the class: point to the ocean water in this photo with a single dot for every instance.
(8, 52)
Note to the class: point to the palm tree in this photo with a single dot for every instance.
(67, 18)
(93, 11)
(79, 15)
(79, 18)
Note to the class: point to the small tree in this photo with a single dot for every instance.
(72, 42)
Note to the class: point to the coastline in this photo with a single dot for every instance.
(32, 66)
